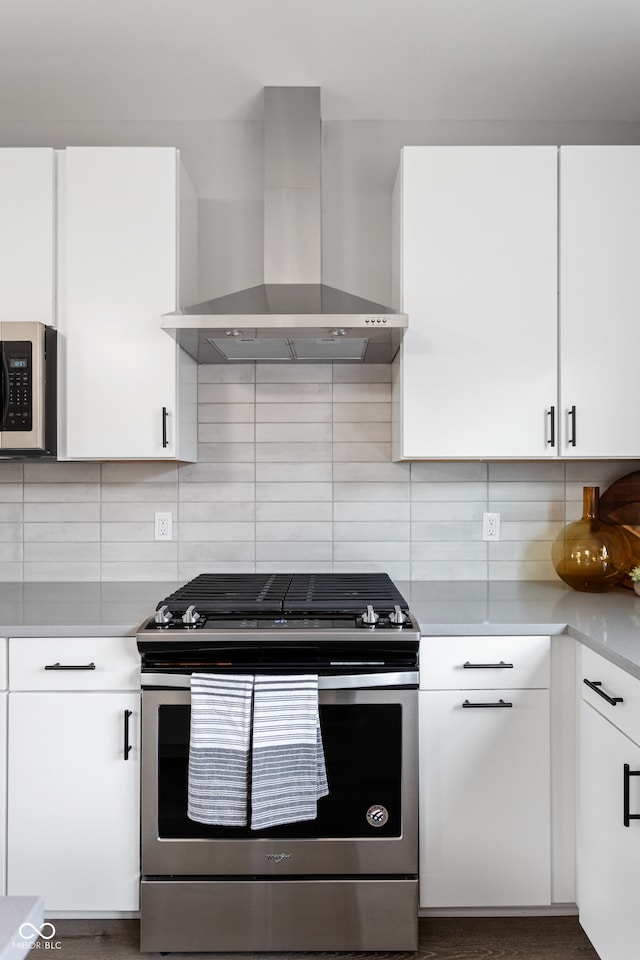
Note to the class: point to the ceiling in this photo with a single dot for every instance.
(192, 60)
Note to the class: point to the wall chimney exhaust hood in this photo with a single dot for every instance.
(292, 316)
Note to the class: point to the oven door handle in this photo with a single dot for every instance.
(403, 678)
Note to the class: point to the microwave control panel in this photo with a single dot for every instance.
(18, 370)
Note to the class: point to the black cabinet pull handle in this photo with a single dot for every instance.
(595, 686)
(165, 415)
(501, 703)
(552, 426)
(627, 774)
(70, 666)
(572, 418)
(127, 745)
(487, 666)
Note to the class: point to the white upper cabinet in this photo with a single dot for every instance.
(27, 234)
(522, 290)
(599, 300)
(476, 236)
(127, 254)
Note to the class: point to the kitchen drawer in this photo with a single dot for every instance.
(614, 682)
(484, 663)
(73, 663)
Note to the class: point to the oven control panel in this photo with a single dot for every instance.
(172, 622)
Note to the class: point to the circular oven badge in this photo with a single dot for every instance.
(377, 815)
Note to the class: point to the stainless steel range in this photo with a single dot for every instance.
(346, 879)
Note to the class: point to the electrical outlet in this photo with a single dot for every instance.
(490, 526)
(164, 526)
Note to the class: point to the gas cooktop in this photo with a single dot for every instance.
(324, 623)
(300, 602)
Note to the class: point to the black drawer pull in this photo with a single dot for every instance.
(501, 703)
(70, 666)
(626, 816)
(127, 745)
(595, 686)
(487, 666)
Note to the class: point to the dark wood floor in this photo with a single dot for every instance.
(500, 938)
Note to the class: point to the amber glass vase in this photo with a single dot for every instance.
(589, 554)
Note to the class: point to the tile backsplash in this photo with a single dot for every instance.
(293, 474)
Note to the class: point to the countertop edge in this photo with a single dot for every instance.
(66, 630)
(633, 669)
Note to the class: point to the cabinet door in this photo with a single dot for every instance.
(27, 204)
(478, 366)
(599, 295)
(608, 852)
(484, 799)
(119, 270)
(73, 805)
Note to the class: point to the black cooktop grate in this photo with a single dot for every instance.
(283, 593)
(228, 592)
(342, 592)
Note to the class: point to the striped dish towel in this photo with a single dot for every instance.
(288, 768)
(219, 747)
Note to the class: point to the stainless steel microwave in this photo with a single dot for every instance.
(28, 362)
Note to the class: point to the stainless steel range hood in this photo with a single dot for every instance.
(292, 316)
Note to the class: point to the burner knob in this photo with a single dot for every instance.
(163, 614)
(190, 615)
(397, 617)
(370, 616)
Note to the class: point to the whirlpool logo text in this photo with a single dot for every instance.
(37, 938)
(279, 857)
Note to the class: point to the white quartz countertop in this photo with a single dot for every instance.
(71, 609)
(608, 623)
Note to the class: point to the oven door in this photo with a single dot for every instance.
(370, 744)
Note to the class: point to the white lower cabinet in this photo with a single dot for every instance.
(485, 794)
(608, 847)
(74, 767)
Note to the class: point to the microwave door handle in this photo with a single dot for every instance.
(4, 376)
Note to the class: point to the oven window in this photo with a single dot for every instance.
(363, 753)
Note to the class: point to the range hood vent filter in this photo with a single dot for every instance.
(279, 349)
